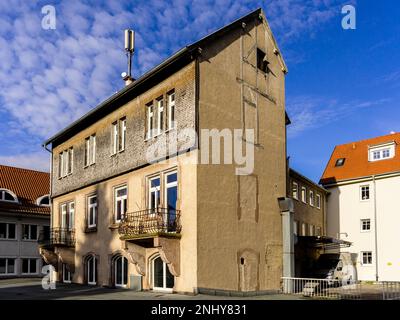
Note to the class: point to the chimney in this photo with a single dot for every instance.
(129, 49)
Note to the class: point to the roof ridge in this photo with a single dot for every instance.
(363, 140)
(25, 169)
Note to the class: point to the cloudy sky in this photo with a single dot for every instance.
(343, 85)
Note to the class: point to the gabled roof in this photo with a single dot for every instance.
(149, 79)
(28, 186)
(356, 163)
(295, 174)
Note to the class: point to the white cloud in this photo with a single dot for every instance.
(37, 161)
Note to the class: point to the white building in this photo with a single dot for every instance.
(363, 206)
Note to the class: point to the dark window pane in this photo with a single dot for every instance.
(125, 271)
(171, 177)
(11, 266)
(155, 182)
(8, 196)
(11, 231)
(45, 201)
(158, 273)
(25, 265)
(2, 266)
(33, 232)
(3, 230)
(169, 278)
(33, 268)
(118, 267)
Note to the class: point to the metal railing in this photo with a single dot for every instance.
(390, 290)
(57, 236)
(321, 288)
(150, 221)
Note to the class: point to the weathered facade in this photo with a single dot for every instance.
(182, 224)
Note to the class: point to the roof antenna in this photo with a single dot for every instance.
(129, 49)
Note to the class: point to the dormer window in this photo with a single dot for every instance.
(381, 152)
(43, 201)
(8, 196)
(340, 162)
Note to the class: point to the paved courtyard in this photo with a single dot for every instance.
(22, 289)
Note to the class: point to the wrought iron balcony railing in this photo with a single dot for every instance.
(57, 236)
(150, 222)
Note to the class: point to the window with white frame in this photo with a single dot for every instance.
(68, 215)
(43, 201)
(66, 273)
(318, 201)
(29, 232)
(365, 225)
(303, 229)
(382, 152)
(364, 193)
(160, 115)
(121, 201)
(8, 231)
(7, 266)
(92, 211)
(366, 257)
(150, 120)
(91, 271)
(303, 194)
(120, 271)
(119, 135)
(29, 266)
(295, 190)
(90, 150)
(154, 193)
(65, 162)
(311, 230)
(171, 110)
(7, 196)
(311, 198)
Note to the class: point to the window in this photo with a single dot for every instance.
(67, 215)
(382, 152)
(295, 188)
(365, 225)
(366, 257)
(65, 162)
(171, 197)
(171, 110)
(7, 231)
(311, 230)
(92, 211)
(340, 162)
(7, 266)
(7, 195)
(303, 229)
(262, 63)
(121, 198)
(91, 270)
(154, 193)
(66, 274)
(311, 196)
(385, 153)
(29, 266)
(295, 227)
(90, 150)
(29, 232)
(162, 279)
(303, 194)
(318, 201)
(150, 120)
(121, 271)
(43, 201)
(318, 231)
(119, 135)
(364, 193)
(160, 112)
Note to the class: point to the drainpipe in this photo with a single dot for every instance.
(287, 211)
(51, 183)
(376, 232)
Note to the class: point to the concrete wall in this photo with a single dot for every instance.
(239, 222)
(345, 210)
(20, 248)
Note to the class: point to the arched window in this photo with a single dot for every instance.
(120, 266)
(161, 277)
(43, 201)
(7, 195)
(91, 269)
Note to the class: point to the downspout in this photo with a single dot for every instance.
(376, 231)
(51, 182)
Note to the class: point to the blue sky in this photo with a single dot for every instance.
(342, 85)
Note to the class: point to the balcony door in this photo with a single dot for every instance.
(120, 271)
(154, 194)
(171, 197)
(162, 279)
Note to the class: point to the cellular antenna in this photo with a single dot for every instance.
(129, 49)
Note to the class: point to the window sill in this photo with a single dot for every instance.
(29, 240)
(118, 152)
(89, 165)
(114, 226)
(90, 229)
(5, 239)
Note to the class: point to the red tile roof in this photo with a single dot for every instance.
(28, 186)
(356, 163)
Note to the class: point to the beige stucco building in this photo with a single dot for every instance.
(123, 215)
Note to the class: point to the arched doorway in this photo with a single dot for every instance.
(120, 267)
(91, 270)
(161, 277)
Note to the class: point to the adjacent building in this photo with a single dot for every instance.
(185, 223)
(24, 214)
(363, 179)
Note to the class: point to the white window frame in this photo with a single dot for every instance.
(3, 195)
(362, 258)
(311, 230)
(164, 287)
(90, 150)
(8, 231)
(90, 207)
(362, 225)
(68, 215)
(304, 194)
(29, 232)
(171, 106)
(377, 153)
(40, 199)
(295, 190)
(160, 115)
(311, 198)
(70, 162)
(318, 201)
(65, 272)
(121, 200)
(157, 191)
(169, 184)
(303, 229)
(118, 135)
(150, 120)
(115, 137)
(121, 285)
(29, 265)
(15, 266)
(361, 192)
(91, 263)
(66, 162)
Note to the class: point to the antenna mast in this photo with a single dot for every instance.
(130, 49)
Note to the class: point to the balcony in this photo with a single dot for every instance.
(57, 237)
(150, 223)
